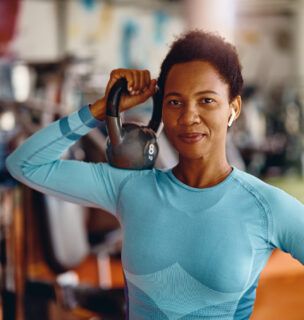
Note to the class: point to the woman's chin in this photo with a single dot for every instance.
(193, 151)
(192, 154)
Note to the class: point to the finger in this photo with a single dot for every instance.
(135, 99)
(136, 77)
(114, 76)
(151, 89)
(121, 73)
(142, 81)
(147, 78)
(143, 96)
(124, 73)
(128, 74)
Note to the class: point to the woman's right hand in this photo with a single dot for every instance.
(140, 88)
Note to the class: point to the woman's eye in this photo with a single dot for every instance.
(207, 100)
(174, 103)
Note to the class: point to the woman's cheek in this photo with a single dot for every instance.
(167, 131)
(169, 134)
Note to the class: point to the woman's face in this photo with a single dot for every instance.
(196, 109)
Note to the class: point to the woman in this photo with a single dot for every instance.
(195, 237)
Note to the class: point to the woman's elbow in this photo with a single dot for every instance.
(13, 166)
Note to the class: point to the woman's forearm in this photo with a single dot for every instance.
(37, 162)
(49, 143)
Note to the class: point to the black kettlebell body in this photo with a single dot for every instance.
(130, 146)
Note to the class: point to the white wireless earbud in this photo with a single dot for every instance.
(231, 118)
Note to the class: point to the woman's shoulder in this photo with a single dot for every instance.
(264, 191)
(250, 181)
(118, 174)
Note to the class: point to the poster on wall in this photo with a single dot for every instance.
(125, 36)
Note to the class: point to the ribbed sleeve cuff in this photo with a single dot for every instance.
(87, 118)
(78, 123)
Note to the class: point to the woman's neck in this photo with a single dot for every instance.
(201, 173)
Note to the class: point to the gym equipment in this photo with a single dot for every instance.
(130, 146)
(65, 246)
(107, 303)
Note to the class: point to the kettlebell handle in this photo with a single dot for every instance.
(119, 87)
(113, 120)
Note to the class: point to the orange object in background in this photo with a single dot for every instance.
(8, 14)
(280, 293)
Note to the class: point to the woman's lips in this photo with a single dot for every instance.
(191, 137)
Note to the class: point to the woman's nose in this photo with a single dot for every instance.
(189, 115)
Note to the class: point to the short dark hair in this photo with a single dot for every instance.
(205, 46)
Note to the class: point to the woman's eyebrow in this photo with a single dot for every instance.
(206, 91)
(172, 94)
(196, 94)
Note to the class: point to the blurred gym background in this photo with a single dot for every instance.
(62, 261)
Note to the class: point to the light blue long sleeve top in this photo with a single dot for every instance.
(187, 253)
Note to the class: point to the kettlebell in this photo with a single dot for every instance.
(130, 146)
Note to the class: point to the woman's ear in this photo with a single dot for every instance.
(236, 104)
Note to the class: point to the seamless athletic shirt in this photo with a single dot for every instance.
(188, 253)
